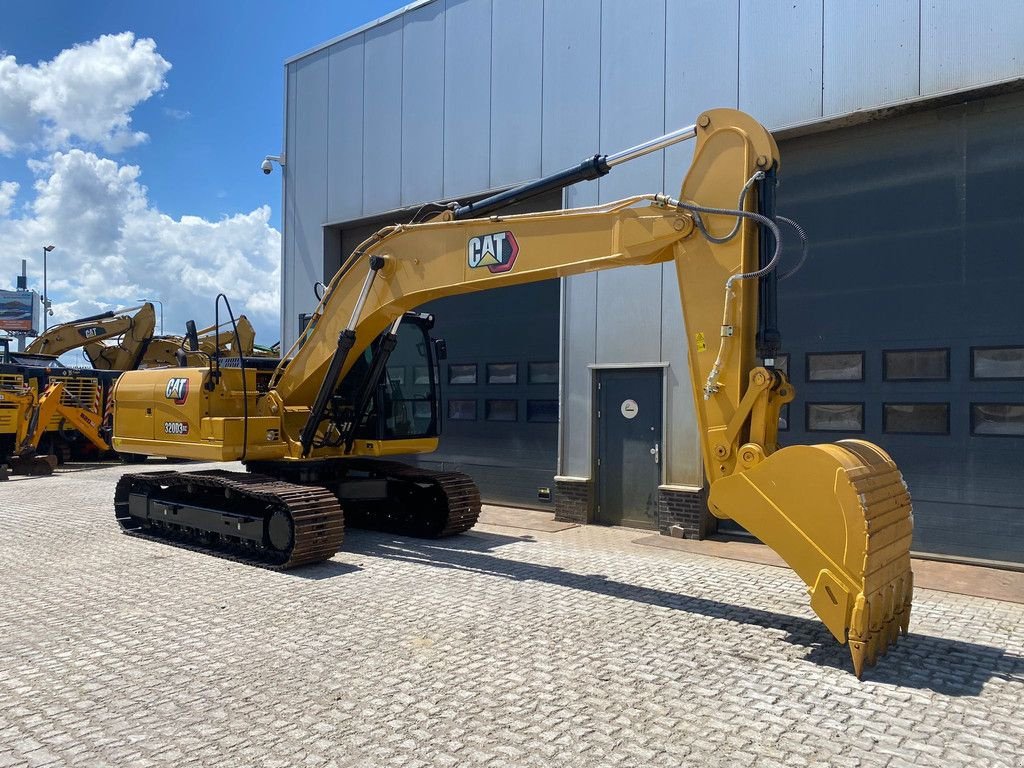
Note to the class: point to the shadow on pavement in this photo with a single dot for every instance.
(950, 667)
(328, 569)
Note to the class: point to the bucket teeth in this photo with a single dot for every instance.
(840, 515)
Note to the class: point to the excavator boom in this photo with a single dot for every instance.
(91, 331)
(839, 514)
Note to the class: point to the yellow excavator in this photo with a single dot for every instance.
(134, 324)
(361, 384)
(35, 412)
(193, 349)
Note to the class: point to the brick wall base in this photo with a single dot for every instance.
(574, 500)
(681, 512)
(684, 513)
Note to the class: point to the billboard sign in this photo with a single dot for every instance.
(19, 312)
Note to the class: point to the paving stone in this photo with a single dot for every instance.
(575, 648)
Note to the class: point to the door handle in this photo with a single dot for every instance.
(656, 453)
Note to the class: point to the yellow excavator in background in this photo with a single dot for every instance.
(193, 349)
(90, 332)
(361, 384)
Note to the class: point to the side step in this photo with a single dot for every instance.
(252, 519)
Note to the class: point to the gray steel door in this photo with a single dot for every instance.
(629, 447)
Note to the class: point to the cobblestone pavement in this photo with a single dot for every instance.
(500, 647)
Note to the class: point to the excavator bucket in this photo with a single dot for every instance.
(840, 516)
(32, 465)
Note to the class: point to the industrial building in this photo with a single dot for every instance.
(899, 125)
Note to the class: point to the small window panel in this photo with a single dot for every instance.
(997, 362)
(462, 410)
(915, 365)
(997, 419)
(462, 373)
(502, 410)
(502, 373)
(835, 366)
(545, 411)
(542, 373)
(835, 417)
(421, 375)
(915, 418)
(397, 375)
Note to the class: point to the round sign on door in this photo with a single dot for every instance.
(629, 409)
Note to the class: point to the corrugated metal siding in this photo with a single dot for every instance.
(467, 100)
(423, 105)
(970, 43)
(871, 53)
(345, 131)
(608, 74)
(571, 121)
(517, 38)
(382, 118)
(780, 60)
(307, 185)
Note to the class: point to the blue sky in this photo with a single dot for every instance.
(227, 63)
(216, 114)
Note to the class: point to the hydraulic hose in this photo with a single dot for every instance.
(711, 386)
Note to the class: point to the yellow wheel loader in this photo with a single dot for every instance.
(361, 384)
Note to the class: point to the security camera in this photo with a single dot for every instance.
(268, 163)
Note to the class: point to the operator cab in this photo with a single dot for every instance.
(405, 400)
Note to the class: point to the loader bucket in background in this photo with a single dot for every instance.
(840, 516)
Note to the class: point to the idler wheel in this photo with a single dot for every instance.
(281, 531)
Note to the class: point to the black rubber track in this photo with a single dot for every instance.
(316, 516)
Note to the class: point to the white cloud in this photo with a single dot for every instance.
(113, 247)
(84, 94)
(8, 191)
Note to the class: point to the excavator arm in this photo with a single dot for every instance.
(91, 331)
(839, 514)
(126, 354)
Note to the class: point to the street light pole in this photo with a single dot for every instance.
(46, 298)
(157, 301)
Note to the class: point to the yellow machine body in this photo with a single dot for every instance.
(839, 514)
(178, 412)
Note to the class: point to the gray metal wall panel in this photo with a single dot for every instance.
(382, 118)
(632, 110)
(571, 90)
(780, 60)
(579, 350)
(571, 116)
(682, 436)
(701, 61)
(632, 92)
(345, 131)
(309, 180)
(467, 96)
(288, 329)
(964, 44)
(423, 105)
(517, 32)
(871, 53)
